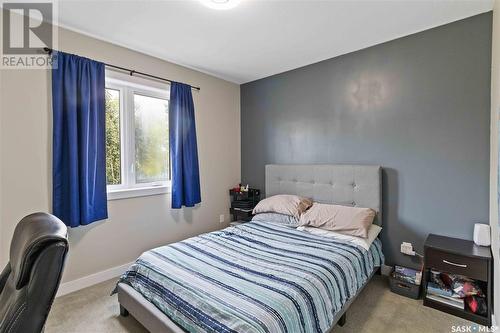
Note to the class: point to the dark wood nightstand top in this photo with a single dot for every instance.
(458, 246)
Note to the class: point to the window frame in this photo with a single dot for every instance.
(128, 87)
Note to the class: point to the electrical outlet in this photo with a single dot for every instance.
(221, 218)
(407, 248)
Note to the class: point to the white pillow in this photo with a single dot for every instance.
(373, 232)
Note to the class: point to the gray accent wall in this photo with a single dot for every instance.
(418, 105)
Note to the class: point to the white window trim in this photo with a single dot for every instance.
(128, 86)
(118, 194)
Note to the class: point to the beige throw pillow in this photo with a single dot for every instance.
(284, 204)
(353, 221)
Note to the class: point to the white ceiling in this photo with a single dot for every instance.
(258, 38)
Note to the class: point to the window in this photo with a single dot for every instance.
(151, 139)
(113, 139)
(137, 139)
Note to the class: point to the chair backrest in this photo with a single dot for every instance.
(29, 282)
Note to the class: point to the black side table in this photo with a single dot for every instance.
(463, 257)
(242, 204)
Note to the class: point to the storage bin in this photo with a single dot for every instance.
(404, 288)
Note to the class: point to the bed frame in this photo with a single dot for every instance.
(351, 185)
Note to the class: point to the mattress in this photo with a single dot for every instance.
(254, 277)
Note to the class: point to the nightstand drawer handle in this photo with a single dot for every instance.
(454, 264)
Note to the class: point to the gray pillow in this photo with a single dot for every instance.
(288, 220)
(348, 220)
(286, 204)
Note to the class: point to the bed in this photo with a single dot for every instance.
(258, 276)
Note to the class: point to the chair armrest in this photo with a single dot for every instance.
(4, 276)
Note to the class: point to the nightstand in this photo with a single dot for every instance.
(463, 257)
(242, 203)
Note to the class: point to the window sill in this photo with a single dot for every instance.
(137, 192)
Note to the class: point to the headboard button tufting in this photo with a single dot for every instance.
(350, 185)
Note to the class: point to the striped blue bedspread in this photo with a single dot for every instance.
(254, 277)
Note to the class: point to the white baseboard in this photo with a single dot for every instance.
(90, 280)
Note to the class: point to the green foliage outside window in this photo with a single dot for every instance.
(113, 159)
(150, 135)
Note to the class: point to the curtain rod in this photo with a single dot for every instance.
(131, 71)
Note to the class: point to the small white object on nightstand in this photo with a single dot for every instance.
(482, 234)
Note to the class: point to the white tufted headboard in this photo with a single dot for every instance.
(349, 185)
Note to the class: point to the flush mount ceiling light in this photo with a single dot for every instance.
(220, 4)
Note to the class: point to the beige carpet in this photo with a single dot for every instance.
(377, 309)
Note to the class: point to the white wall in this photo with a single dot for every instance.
(136, 224)
(495, 108)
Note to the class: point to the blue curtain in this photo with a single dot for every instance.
(183, 147)
(79, 141)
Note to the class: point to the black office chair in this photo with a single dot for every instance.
(29, 282)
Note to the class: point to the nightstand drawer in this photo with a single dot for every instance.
(474, 268)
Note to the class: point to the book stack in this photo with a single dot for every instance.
(438, 291)
(407, 274)
(452, 301)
